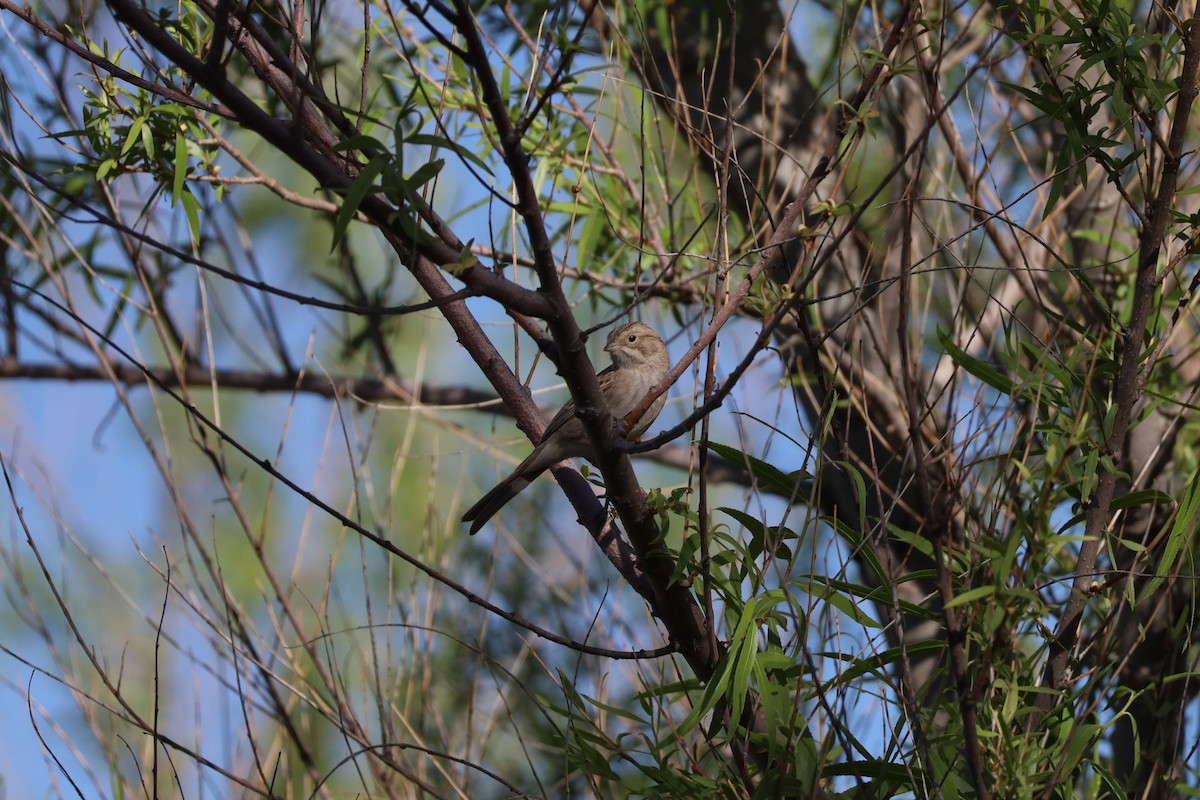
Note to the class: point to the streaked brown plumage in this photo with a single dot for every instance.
(640, 362)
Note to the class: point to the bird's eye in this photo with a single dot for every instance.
(633, 337)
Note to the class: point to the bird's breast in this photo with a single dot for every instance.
(639, 387)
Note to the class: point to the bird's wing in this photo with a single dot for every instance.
(567, 412)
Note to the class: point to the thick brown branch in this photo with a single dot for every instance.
(311, 383)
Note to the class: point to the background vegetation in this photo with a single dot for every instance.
(277, 279)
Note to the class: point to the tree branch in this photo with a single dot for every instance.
(1128, 386)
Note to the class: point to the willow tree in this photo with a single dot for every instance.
(919, 518)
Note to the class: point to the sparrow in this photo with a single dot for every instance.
(639, 363)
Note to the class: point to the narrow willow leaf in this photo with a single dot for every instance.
(823, 590)
(191, 207)
(1141, 497)
(441, 142)
(1182, 532)
(972, 595)
(771, 477)
(425, 173)
(981, 369)
(355, 194)
(181, 162)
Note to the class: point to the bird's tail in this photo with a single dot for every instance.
(493, 501)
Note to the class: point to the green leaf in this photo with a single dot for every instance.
(1182, 532)
(1081, 739)
(971, 595)
(763, 538)
(862, 553)
(981, 369)
(425, 173)
(135, 131)
(714, 690)
(827, 590)
(181, 162)
(594, 226)
(361, 142)
(1142, 497)
(191, 207)
(356, 192)
(148, 140)
(731, 681)
(878, 663)
(746, 644)
(771, 477)
(882, 772)
(454, 147)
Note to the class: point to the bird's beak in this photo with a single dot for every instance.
(608, 348)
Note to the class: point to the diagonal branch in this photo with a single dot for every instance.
(311, 151)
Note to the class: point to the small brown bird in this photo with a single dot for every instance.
(639, 363)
